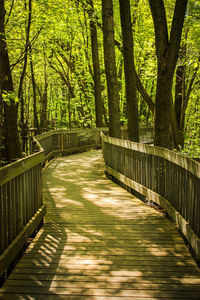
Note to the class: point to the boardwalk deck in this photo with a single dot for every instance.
(99, 242)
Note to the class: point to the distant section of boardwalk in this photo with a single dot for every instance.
(99, 242)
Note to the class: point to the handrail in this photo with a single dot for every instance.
(21, 205)
(163, 176)
(62, 142)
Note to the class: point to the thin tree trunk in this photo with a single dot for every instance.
(43, 121)
(180, 99)
(1, 130)
(69, 112)
(96, 68)
(130, 79)
(35, 116)
(12, 144)
(20, 91)
(110, 68)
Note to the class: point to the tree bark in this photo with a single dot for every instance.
(96, 68)
(1, 130)
(129, 66)
(35, 115)
(12, 144)
(43, 119)
(167, 50)
(110, 68)
(20, 91)
(180, 99)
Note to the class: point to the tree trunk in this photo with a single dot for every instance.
(143, 92)
(1, 130)
(96, 68)
(130, 78)
(110, 68)
(43, 120)
(20, 91)
(180, 99)
(162, 121)
(35, 115)
(12, 144)
(167, 51)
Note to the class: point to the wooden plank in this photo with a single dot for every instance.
(136, 258)
(187, 280)
(103, 263)
(192, 294)
(1, 220)
(99, 285)
(91, 297)
(9, 213)
(4, 237)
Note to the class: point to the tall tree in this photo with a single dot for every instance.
(129, 67)
(96, 67)
(110, 68)
(35, 115)
(11, 138)
(44, 98)
(20, 91)
(167, 51)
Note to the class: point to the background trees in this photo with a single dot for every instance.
(57, 64)
(9, 139)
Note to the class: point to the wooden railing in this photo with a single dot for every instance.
(21, 205)
(162, 176)
(66, 141)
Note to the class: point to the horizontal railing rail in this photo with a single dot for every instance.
(161, 175)
(21, 205)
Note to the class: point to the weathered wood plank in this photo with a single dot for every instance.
(105, 292)
(79, 297)
(34, 278)
(101, 284)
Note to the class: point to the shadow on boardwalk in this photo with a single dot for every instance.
(99, 242)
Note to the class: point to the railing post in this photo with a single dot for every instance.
(61, 143)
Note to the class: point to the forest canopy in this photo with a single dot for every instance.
(59, 55)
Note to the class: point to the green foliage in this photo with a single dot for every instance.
(61, 55)
(8, 97)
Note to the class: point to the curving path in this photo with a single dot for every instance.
(99, 242)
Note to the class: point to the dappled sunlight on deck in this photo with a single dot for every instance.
(100, 242)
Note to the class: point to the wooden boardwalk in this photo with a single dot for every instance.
(99, 242)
